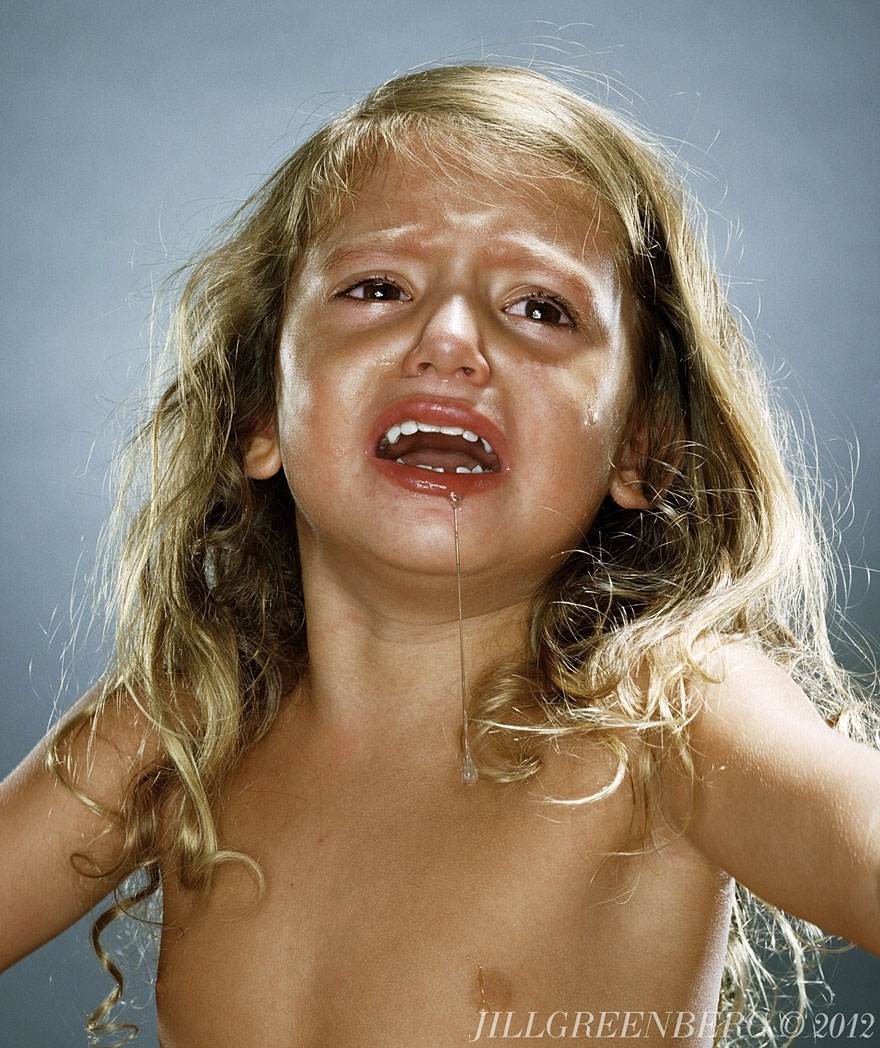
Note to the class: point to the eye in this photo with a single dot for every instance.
(545, 309)
(376, 289)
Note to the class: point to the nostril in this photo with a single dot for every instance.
(466, 370)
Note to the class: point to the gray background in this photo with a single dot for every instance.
(131, 126)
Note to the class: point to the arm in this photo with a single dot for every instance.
(786, 805)
(43, 825)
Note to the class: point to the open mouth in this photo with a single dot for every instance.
(441, 449)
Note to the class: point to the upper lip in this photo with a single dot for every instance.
(451, 418)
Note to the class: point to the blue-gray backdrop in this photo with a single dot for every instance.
(131, 125)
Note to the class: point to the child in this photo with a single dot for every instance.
(462, 630)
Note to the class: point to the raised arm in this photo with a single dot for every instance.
(786, 805)
(43, 825)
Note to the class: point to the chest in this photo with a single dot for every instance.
(402, 900)
(351, 851)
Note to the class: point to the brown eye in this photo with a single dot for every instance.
(542, 310)
(377, 291)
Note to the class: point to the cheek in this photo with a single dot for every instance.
(318, 426)
(585, 413)
(296, 406)
(300, 421)
(582, 430)
(610, 409)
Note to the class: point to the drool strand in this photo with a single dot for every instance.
(468, 770)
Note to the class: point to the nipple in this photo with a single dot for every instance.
(468, 770)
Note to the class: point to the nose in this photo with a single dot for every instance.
(450, 343)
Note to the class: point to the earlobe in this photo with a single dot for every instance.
(626, 490)
(627, 478)
(262, 457)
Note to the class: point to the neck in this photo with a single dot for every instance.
(388, 653)
(395, 642)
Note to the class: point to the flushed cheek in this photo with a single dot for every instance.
(309, 441)
(579, 446)
(311, 446)
(569, 473)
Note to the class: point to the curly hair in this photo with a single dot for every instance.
(206, 592)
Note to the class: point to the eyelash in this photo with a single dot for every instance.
(537, 295)
(376, 278)
(545, 297)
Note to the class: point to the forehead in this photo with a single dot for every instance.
(419, 193)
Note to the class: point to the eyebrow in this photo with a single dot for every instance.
(590, 282)
(404, 239)
(508, 250)
(514, 250)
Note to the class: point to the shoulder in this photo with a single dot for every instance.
(782, 802)
(756, 737)
(62, 818)
(103, 745)
(747, 704)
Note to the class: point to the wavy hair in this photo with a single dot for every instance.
(206, 591)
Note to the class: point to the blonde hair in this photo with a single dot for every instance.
(207, 594)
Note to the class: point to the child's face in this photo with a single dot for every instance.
(471, 305)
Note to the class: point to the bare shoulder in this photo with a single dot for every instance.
(60, 819)
(104, 743)
(785, 804)
(750, 709)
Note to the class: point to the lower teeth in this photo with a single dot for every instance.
(440, 469)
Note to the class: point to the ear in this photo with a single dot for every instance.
(262, 455)
(628, 474)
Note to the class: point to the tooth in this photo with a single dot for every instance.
(487, 447)
(462, 469)
(393, 434)
(452, 431)
(477, 469)
(468, 435)
(426, 427)
(438, 469)
(422, 465)
(409, 427)
(400, 460)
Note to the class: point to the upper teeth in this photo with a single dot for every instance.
(410, 426)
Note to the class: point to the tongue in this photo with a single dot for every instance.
(439, 451)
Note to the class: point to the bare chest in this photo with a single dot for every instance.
(408, 909)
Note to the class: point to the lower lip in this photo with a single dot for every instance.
(427, 482)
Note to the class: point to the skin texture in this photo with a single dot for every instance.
(464, 262)
(399, 906)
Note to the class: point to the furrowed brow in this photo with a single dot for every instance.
(399, 241)
(591, 281)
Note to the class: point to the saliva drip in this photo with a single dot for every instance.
(468, 770)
